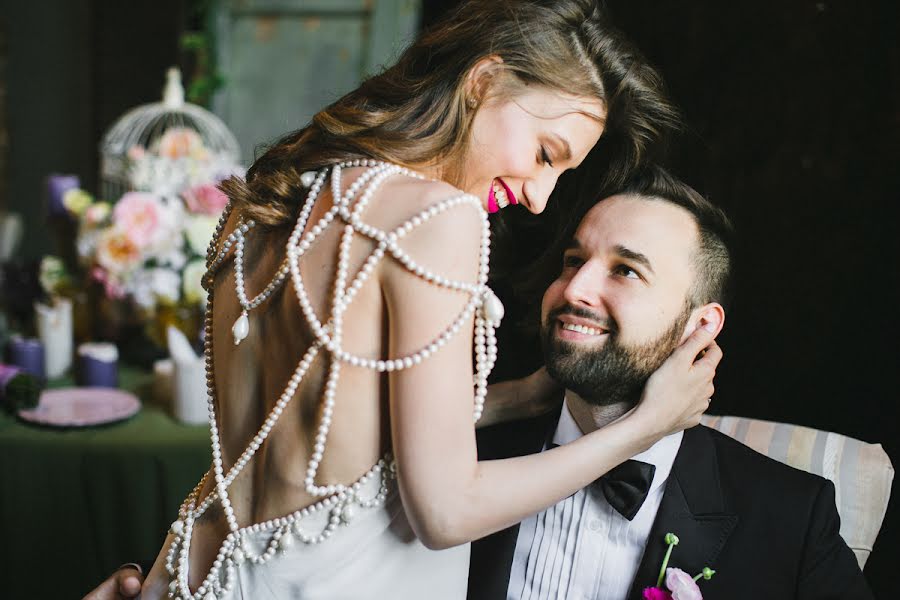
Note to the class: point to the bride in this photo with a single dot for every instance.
(347, 288)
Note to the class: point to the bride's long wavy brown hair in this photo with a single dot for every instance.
(415, 114)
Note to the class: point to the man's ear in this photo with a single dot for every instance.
(481, 76)
(711, 316)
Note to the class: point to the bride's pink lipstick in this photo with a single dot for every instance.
(495, 201)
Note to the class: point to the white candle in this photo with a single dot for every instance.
(54, 326)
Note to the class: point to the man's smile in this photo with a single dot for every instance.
(576, 329)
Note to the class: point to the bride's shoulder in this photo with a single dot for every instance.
(440, 225)
(437, 204)
(421, 193)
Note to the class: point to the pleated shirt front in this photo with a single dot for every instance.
(581, 548)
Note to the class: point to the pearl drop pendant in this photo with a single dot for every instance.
(492, 309)
(308, 178)
(241, 328)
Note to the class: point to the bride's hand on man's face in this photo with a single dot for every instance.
(679, 392)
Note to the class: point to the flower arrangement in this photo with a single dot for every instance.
(149, 246)
(679, 585)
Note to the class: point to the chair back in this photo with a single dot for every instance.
(861, 473)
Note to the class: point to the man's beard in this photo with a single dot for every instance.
(613, 373)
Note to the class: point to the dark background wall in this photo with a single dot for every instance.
(793, 110)
(72, 69)
(793, 115)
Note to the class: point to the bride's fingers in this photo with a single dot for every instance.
(689, 349)
(129, 583)
(711, 357)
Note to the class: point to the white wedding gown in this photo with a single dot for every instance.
(377, 557)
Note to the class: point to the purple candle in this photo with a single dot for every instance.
(98, 365)
(57, 186)
(27, 354)
(7, 372)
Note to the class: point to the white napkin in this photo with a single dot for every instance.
(189, 384)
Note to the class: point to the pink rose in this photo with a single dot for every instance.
(682, 585)
(205, 199)
(654, 593)
(137, 214)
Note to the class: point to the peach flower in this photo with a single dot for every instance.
(117, 252)
(180, 142)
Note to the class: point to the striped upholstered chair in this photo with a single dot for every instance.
(861, 472)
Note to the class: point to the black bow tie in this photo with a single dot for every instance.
(626, 486)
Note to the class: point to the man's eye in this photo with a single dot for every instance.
(545, 158)
(626, 271)
(571, 261)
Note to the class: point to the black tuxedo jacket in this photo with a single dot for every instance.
(770, 531)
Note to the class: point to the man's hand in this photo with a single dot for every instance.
(125, 583)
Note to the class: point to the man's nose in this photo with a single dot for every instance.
(586, 287)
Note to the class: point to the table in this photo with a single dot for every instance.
(74, 504)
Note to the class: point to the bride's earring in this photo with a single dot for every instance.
(471, 102)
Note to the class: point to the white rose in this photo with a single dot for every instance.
(199, 230)
(191, 286)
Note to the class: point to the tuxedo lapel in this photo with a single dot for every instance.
(692, 508)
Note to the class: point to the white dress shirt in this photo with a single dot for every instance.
(582, 548)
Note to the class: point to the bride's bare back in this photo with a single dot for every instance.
(251, 376)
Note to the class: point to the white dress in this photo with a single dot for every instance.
(356, 542)
(377, 557)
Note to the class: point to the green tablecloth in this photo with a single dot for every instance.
(74, 504)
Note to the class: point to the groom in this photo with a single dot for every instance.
(645, 267)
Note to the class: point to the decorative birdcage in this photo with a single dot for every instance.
(165, 147)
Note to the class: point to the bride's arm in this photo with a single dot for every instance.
(451, 497)
(522, 398)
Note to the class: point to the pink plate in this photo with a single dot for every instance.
(82, 407)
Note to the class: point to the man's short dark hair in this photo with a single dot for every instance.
(712, 260)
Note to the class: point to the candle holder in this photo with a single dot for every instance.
(28, 355)
(98, 365)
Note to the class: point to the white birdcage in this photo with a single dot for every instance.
(166, 147)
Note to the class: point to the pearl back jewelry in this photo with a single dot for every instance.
(340, 500)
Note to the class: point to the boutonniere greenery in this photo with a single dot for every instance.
(679, 585)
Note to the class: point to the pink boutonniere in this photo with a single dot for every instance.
(679, 585)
